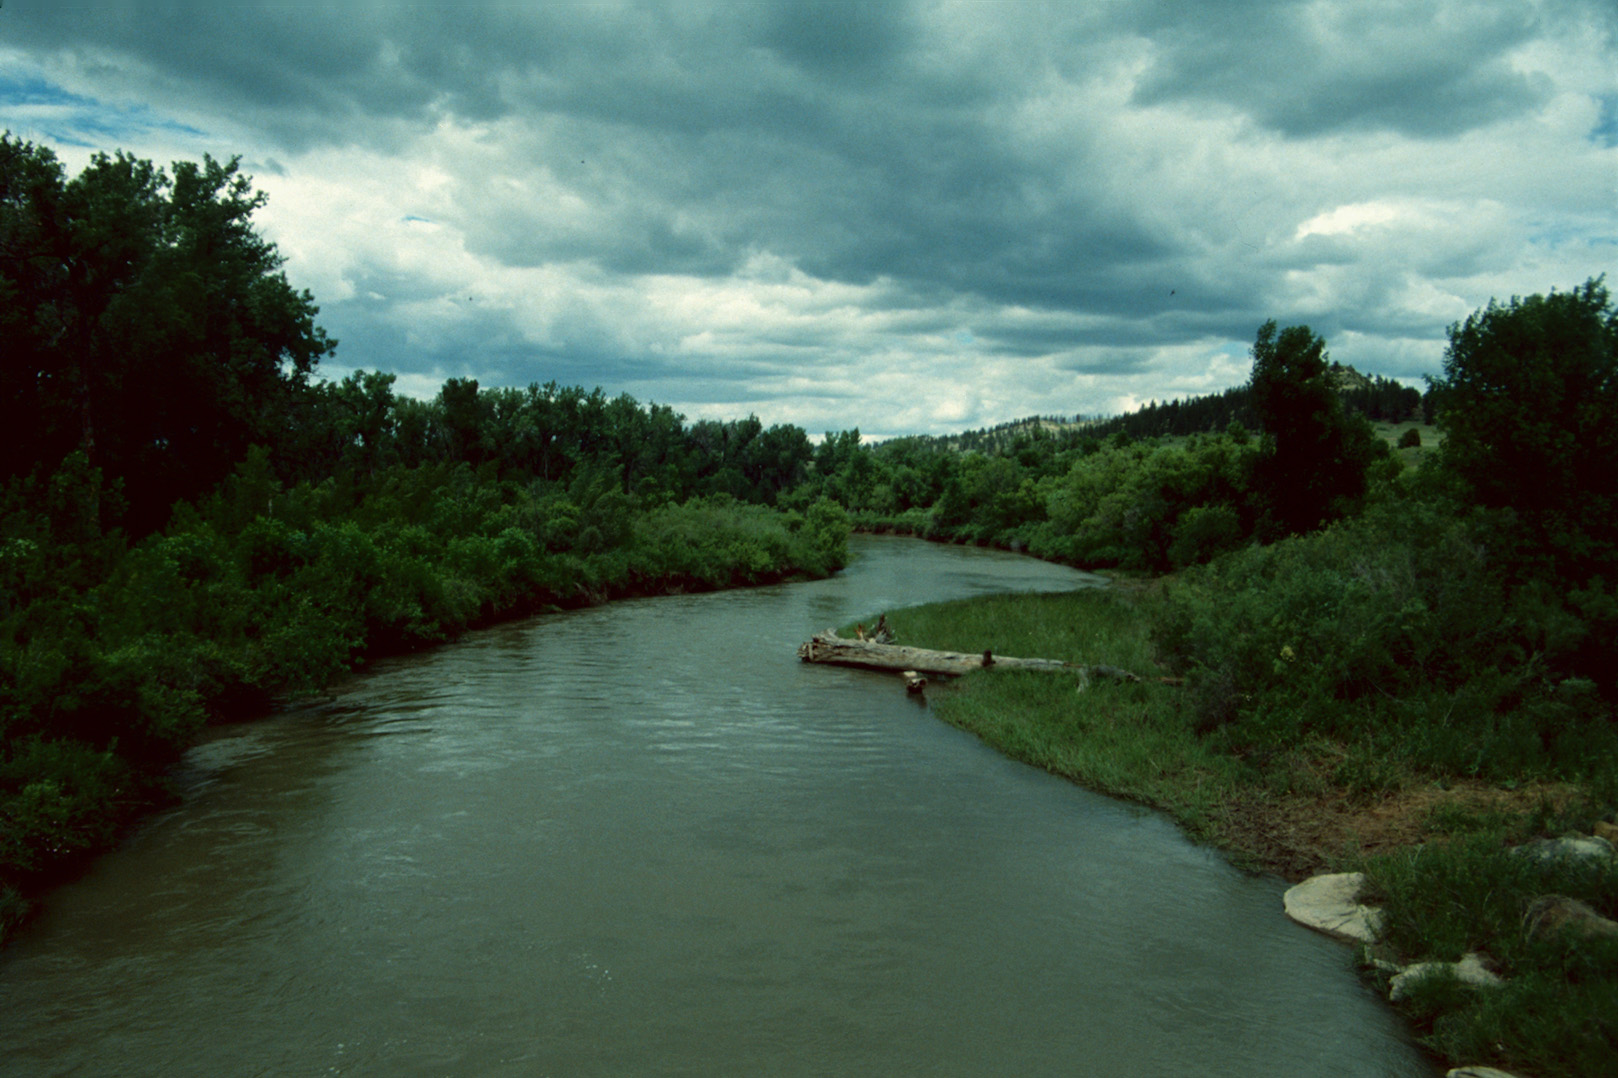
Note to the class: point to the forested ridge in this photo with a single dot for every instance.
(192, 522)
(1374, 397)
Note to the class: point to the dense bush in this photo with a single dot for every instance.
(1150, 507)
(1395, 635)
(113, 656)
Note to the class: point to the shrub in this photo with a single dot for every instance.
(54, 795)
(1393, 633)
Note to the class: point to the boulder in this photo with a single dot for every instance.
(1477, 1072)
(1331, 904)
(1470, 970)
(1573, 847)
(1606, 830)
(1549, 914)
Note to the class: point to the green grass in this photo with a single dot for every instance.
(1431, 438)
(1557, 1014)
(1125, 739)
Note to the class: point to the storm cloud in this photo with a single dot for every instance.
(906, 218)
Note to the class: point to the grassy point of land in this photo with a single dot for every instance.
(1437, 847)
(1137, 741)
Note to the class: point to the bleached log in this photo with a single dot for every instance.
(828, 647)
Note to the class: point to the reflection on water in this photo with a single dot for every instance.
(645, 839)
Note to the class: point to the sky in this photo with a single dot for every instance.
(903, 217)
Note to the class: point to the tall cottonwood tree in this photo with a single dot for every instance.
(148, 324)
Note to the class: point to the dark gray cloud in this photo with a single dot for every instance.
(1423, 70)
(791, 206)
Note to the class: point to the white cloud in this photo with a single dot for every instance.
(1348, 219)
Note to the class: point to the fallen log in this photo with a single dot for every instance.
(828, 647)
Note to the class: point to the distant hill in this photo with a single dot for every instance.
(1375, 397)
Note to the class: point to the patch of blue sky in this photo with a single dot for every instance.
(1564, 236)
(65, 118)
(34, 90)
(1606, 129)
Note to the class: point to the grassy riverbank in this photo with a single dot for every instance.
(1436, 845)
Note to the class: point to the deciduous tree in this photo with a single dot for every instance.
(148, 324)
(1313, 468)
(1528, 403)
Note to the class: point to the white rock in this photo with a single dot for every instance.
(1578, 847)
(1330, 904)
(1470, 970)
(1477, 1072)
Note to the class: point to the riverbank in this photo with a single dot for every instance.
(1436, 847)
(205, 623)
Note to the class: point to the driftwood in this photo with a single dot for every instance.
(877, 634)
(828, 647)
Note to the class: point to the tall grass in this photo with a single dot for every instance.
(1557, 1014)
(1129, 739)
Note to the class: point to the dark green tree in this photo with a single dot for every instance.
(1528, 403)
(777, 460)
(465, 415)
(147, 324)
(1313, 466)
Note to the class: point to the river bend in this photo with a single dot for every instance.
(643, 839)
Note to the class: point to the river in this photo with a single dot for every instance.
(643, 839)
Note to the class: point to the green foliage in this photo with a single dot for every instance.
(111, 657)
(1528, 403)
(147, 324)
(1410, 439)
(1134, 502)
(719, 542)
(1203, 532)
(1557, 1013)
(1396, 634)
(54, 796)
(1150, 507)
(1313, 469)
